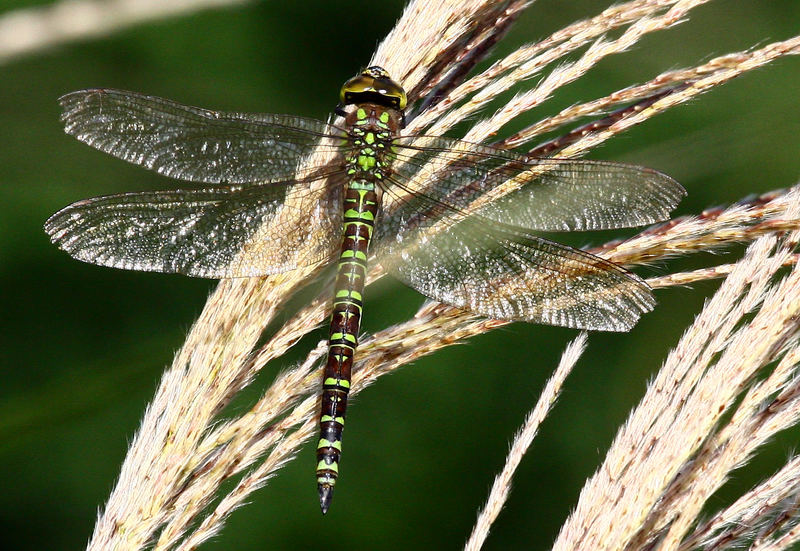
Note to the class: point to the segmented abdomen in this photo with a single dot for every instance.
(360, 203)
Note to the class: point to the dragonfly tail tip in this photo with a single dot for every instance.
(325, 496)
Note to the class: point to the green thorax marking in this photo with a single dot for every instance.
(372, 128)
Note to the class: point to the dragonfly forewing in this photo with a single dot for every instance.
(193, 144)
(535, 194)
(277, 176)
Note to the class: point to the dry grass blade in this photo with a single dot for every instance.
(739, 64)
(443, 33)
(705, 274)
(756, 512)
(676, 80)
(530, 60)
(28, 30)
(569, 72)
(167, 493)
(502, 482)
(191, 394)
(709, 231)
(675, 450)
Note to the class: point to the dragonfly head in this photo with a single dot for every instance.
(373, 85)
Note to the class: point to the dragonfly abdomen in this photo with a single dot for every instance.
(360, 203)
(366, 165)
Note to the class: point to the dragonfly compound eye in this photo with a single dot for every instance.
(373, 85)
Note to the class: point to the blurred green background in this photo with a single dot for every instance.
(83, 347)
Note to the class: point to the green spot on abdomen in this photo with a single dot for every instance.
(330, 381)
(346, 293)
(360, 185)
(347, 337)
(365, 215)
(325, 443)
(332, 466)
(358, 255)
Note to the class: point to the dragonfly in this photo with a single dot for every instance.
(459, 222)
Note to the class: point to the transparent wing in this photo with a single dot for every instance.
(440, 233)
(505, 273)
(194, 144)
(226, 231)
(546, 194)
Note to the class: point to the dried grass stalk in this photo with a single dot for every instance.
(704, 414)
(33, 29)
(522, 441)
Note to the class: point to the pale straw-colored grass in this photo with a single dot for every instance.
(704, 414)
(522, 441)
(28, 30)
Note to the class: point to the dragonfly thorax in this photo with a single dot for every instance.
(372, 128)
